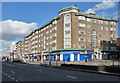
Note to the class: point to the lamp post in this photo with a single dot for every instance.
(49, 57)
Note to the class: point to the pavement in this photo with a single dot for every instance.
(17, 72)
(94, 63)
(57, 64)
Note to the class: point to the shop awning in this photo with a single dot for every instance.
(76, 52)
(110, 50)
(38, 54)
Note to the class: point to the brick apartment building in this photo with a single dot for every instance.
(72, 34)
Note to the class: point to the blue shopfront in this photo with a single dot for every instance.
(71, 55)
(83, 57)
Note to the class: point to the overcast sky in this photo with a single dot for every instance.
(20, 18)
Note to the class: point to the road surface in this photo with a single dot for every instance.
(25, 72)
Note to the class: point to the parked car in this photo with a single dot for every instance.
(18, 61)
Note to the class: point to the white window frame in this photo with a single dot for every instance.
(88, 26)
(81, 25)
(88, 19)
(81, 18)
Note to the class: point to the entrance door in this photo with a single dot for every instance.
(51, 58)
(75, 57)
(54, 57)
(66, 57)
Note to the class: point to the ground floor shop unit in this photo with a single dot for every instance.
(64, 55)
(70, 56)
(107, 55)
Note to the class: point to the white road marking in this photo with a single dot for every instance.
(17, 81)
(12, 78)
(9, 76)
(39, 70)
(6, 74)
(12, 71)
(71, 77)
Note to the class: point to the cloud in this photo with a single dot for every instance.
(104, 5)
(117, 14)
(5, 47)
(12, 30)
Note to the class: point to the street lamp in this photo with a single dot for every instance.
(49, 57)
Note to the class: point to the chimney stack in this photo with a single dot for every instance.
(92, 13)
(75, 5)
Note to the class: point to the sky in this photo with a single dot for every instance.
(20, 18)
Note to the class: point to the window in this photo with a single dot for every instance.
(114, 48)
(41, 39)
(112, 35)
(53, 48)
(112, 29)
(50, 42)
(106, 22)
(54, 35)
(81, 46)
(47, 38)
(50, 36)
(88, 40)
(106, 41)
(106, 35)
(113, 23)
(41, 34)
(41, 45)
(81, 32)
(81, 25)
(54, 28)
(44, 28)
(100, 41)
(41, 30)
(47, 32)
(67, 25)
(88, 33)
(113, 42)
(111, 48)
(88, 47)
(100, 21)
(82, 39)
(54, 41)
(100, 28)
(81, 18)
(94, 20)
(88, 19)
(88, 26)
(47, 27)
(106, 48)
(47, 44)
(67, 32)
(106, 28)
(100, 34)
(50, 30)
(50, 25)
(53, 22)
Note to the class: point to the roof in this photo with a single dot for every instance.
(74, 7)
(70, 7)
(95, 16)
(43, 25)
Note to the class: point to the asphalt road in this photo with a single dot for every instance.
(25, 72)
